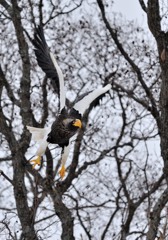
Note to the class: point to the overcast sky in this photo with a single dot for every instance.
(131, 10)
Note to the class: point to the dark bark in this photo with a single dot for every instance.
(20, 192)
(154, 23)
(64, 215)
(18, 148)
(155, 216)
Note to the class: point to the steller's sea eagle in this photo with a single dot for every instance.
(68, 121)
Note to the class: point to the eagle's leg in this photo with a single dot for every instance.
(65, 153)
(36, 162)
(62, 171)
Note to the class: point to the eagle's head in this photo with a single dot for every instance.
(72, 124)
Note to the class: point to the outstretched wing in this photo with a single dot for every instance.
(48, 63)
(85, 102)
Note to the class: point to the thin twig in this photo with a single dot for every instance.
(6, 177)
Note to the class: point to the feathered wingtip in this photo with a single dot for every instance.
(48, 63)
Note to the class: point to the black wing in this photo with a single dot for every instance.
(48, 63)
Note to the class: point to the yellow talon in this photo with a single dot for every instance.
(36, 162)
(62, 171)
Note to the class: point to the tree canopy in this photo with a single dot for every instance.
(116, 185)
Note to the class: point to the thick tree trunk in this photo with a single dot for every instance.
(64, 215)
(154, 22)
(164, 117)
(19, 148)
(24, 213)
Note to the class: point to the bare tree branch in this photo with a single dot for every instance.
(114, 36)
(143, 6)
(6, 177)
(7, 7)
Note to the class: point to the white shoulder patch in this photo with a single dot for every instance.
(61, 82)
(85, 102)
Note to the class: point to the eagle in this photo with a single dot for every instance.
(68, 121)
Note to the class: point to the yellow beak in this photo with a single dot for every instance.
(77, 123)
